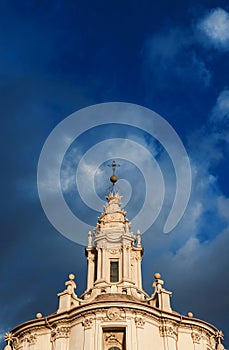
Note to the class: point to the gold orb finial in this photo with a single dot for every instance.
(190, 314)
(113, 178)
(38, 315)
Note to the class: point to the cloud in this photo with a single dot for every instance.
(2, 334)
(223, 207)
(220, 112)
(171, 56)
(194, 258)
(215, 26)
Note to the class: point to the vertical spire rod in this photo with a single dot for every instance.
(114, 177)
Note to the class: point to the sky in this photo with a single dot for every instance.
(58, 57)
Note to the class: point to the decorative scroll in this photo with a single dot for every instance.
(114, 314)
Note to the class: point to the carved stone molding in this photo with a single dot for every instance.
(91, 258)
(212, 341)
(28, 337)
(196, 337)
(139, 321)
(169, 329)
(16, 344)
(113, 339)
(60, 331)
(115, 314)
(88, 322)
(11, 339)
(136, 256)
(114, 251)
(32, 338)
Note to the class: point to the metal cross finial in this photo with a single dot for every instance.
(114, 165)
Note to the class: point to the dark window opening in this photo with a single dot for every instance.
(95, 271)
(114, 275)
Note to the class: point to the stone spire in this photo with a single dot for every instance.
(114, 253)
(112, 224)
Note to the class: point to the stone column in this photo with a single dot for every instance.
(91, 270)
(139, 272)
(105, 270)
(99, 264)
(128, 263)
(124, 262)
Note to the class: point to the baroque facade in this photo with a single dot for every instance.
(114, 313)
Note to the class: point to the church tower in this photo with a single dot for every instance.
(114, 261)
(114, 312)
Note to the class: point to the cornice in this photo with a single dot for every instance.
(126, 305)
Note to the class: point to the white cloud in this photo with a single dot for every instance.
(223, 207)
(171, 54)
(2, 334)
(221, 110)
(215, 25)
(194, 257)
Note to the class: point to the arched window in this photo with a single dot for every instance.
(114, 348)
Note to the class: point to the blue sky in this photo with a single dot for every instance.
(60, 56)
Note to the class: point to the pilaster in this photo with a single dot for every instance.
(169, 332)
(88, 324)
(196, 338)
(139, 324)
(60, 336)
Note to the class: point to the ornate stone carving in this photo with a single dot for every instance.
(212, 341)
(88, 323)
(113, 339)
(136, 256)
(114, 313)
(114, 251)
(32, 338)
(91, 257)
(60, 331)
(139, 321)
(196, 337)
(16, 345)
(12, 340)
(70, 284)
(168, 330)
(29, 337)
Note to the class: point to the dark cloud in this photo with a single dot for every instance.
(59, 57)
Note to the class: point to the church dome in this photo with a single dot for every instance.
(114, 312)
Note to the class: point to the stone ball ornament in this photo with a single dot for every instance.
(157, 275)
